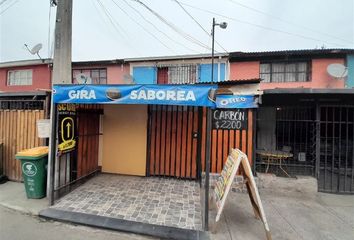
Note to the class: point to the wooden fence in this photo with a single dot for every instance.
(17, 132)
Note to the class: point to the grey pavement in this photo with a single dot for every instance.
(17, 226)
(291, 215)
(13, 196)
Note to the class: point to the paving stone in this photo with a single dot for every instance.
(169, 202)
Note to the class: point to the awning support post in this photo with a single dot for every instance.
(207, 169)
(52, 154)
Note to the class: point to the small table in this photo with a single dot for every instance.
(274, 157)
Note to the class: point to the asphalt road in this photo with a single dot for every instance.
(17, 226)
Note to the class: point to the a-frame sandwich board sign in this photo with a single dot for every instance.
(236, 159)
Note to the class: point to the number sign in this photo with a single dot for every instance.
(66, 127)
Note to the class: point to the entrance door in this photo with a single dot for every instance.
(335, 169)
(173, 141)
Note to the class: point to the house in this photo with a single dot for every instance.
(304, 110)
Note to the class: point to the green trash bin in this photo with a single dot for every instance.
(34, 170)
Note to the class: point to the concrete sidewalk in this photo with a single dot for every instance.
(290, 215)
(13, 196)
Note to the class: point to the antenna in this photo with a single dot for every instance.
(35, 50)
(128, 79)
(337, 70)
(82, 78)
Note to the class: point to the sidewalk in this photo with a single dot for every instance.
(13, 196)
(291, 215)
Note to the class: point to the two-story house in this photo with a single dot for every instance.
(304, 111)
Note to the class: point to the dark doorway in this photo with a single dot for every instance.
(336, 172)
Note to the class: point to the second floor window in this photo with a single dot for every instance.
(285, 72)
(19, 77)
(177, 74)
(98, 76)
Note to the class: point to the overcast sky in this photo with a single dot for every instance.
(112, 29)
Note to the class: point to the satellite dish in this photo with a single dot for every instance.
(337, 70)
(128, 79)
(36, 48)
(82, 78)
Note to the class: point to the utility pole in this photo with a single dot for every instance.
(61, 75)
(62, 44)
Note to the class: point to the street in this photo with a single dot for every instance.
(17, 226)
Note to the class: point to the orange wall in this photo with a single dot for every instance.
(244, 70)
(319, 75)
(41, 79)
(115, 73)
(124, 139)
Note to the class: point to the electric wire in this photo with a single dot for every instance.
(157, 29)
(2, 2)
(8, 7)
(142, 26)
(260, 26)
(119, 29)
(288, 22)
(196, 21)
(174, 27)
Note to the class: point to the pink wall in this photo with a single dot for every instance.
(41, 78)
(115, 73)
(319, 75)
(244, 70)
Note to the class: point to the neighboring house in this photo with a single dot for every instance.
(23, 101)
(306, 111)
(25, 76)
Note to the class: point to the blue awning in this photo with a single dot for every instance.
(187, 95)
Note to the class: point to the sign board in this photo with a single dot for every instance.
(43, 128)
(231, 119)
(66, 127)
(236, 101)
(185, 95)
(223, 185)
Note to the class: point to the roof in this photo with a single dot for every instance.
(26, 63)
(23, 94)
(239, 81)
(309, 91)
(98, 62)
(288, 54)
(176, 57)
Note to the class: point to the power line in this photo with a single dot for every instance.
(173, 27)
(157, 29)
(2, 2)
(259, 26)
(143, 27)
(13, 3)
(195, 20)
(286, 21)
(119, 29)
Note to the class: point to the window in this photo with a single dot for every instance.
(177, 74)
(285, 72)
(98, 76)
(19, 77)
(190, 73)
